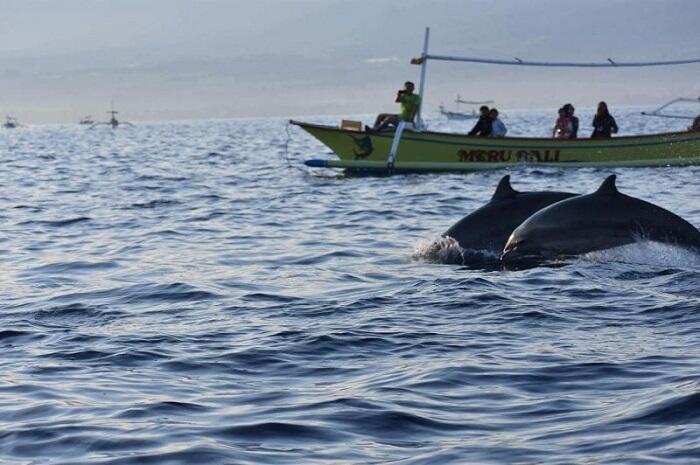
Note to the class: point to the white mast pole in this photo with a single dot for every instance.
(421, 88)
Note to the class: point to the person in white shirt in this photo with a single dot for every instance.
(498, 128)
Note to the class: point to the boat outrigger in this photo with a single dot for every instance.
(660, 111)
(410, 147)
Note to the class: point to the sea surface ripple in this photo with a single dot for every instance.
(188, 292)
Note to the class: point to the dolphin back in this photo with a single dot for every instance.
(597, 221)
(488, 227)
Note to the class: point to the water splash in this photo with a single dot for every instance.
(649, 253)
(446, 250)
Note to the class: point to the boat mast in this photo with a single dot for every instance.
(424, 64)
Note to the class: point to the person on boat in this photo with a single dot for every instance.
(695, 127)
(409, 107)
(563, 126)
(484, 125)
(498, 129)
(574, 120)
(604, 124)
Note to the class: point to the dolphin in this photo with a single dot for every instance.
(597, 221)
(487, 228)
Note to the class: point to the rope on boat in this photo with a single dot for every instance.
(610, 63)
(286, 151)
(286, 145)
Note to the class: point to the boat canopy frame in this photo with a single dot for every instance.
(609, 63)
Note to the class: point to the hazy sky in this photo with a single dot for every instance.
(173, 59)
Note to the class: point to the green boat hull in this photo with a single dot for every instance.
(434, 151)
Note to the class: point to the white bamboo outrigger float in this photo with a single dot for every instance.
(419, 125)
(657, 111)
(473, 102)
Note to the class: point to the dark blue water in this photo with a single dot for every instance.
(176, 294)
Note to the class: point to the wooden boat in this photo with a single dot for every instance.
(113, 122)
(460, 115)
(413, 148)
(439, 151)
(457, 115)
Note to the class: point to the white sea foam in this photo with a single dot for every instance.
(648, 253)
(438, 250)
(447, 250)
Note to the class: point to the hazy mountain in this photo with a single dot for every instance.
(221, 58)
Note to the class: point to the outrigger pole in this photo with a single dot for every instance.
(657, 111)
(610, 63)
(421, 87)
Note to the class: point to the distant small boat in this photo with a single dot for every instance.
(87, 120)
(11, 123)
(458, 115)
(113, 122)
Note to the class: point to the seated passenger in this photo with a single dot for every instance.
(482, 127)
(409, 107)
(498, 129)
(604, 124)
(695, 127)
(563, 127)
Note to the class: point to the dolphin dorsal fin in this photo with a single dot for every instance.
(608, 186)
(504, 189)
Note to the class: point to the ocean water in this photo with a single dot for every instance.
(189, 292)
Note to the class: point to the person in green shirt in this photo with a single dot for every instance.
(409, 107)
